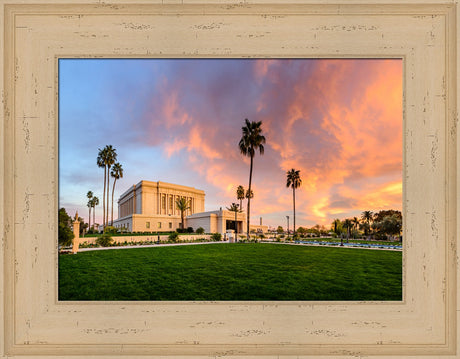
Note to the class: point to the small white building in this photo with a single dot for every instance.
(217, 221)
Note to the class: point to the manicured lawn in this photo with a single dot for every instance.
(232, 272)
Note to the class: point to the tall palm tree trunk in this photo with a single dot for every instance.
(249, 196)
(108, 195)
(293, 200)
(103, 198)
(89, 218)
(94, 215)
(113, 191)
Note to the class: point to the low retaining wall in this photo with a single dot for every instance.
(148, 238)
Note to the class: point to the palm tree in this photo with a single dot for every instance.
(89, 195)
(367, 216)
(116, 173)
(348, 224)
(101, 163)
(240, 195)
(95, 202)
(106, 158)
(337, 224)
(251, 141)
(110, 160)
(249, 194)
(182, 205)
(294, 181)
(355, 222)
(234, 208)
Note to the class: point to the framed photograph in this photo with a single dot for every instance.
(38, 37)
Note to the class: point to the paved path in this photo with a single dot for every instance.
(146, 246)
(198, 243)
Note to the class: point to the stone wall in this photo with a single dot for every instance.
(134, 239)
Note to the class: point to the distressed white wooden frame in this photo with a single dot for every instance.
(37, 33)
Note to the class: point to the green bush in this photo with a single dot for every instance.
(189, 229)
(174, 237)
(200, 230)
(110, 230)
(216, 237)
(104, 240)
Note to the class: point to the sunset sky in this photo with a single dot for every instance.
(338, 121)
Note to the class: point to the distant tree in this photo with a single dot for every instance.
(280, 230)
(116, 173)
(95, 202)
(65, 233)
(251, 141)
(234, 208)
(301, 230)
(392, 224)
(89, 195)
(389, 225)
(379, 216)
(367, 216)
(182, 205)
(249, 194)
(355, 223)
(83, 226)
(240, 194)
(348, 225)
(293, 181)
(365, 227)
(337, 229)
(106, 158)
(110, 160)
(102, 164)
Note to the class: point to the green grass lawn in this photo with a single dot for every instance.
(232, 272)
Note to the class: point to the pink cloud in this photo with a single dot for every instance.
(338, 121)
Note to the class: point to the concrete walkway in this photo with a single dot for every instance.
(198, 243)
(147, 246)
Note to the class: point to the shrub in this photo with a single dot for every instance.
(380, 237)
(104, 240)
(216, 237)
(174, 237)
(200, 230)
(189, 229)
(110, 230)
(181, 230)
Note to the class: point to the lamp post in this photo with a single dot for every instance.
(287, 217)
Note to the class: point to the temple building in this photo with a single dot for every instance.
(151, 207)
